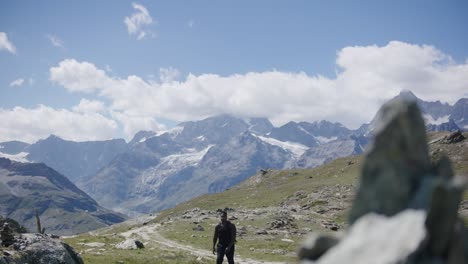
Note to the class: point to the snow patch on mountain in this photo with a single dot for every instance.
(175, 131)
(20, 157)
(305, 131)
(295, 148)
(430, 120)
(153, 177)
(324, 140)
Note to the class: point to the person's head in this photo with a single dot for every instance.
(223, 216)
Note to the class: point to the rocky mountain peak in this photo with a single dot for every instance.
(211, 130)
(407, 95)
(141, 136)
(259, 125)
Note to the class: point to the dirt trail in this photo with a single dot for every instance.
(150, 233)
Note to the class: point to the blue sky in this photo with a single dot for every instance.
(78, 70)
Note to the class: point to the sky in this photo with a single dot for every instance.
(97, 70)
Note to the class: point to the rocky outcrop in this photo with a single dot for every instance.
(454, 137)
(406, 208)
(39, 249)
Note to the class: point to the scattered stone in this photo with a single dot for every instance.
(198, 228)
(130, 244)
(330, 225)
(282, 221)
(6, 235)
(241, 231)
(261, 232)
(279, 251)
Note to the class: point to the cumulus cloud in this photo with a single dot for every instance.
(17, 82)
(168, 74)
(138, 22)
(367, 77)
(5, 44)
(32, 124)
(89, 106)
(55, 41)
(78, 76)
(132, 123)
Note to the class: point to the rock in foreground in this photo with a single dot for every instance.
(406, 208)
(39, 249)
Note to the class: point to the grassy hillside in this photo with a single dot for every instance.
(273, 212)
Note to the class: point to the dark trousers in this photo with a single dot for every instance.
(221, 251)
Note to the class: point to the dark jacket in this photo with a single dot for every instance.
(226, 234)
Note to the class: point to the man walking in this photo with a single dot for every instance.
(225, 234)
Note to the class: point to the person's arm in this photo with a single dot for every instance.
(215, 238)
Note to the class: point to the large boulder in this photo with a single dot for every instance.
(406, 207)
(40, 249)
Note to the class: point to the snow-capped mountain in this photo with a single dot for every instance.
(210, 155)
(437, 116)
(460, 113)
(157, 170)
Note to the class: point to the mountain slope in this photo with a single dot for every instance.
(13, 147)
(174, 178)
(75, 159)
(460, 113)
(63, 208)
(273, 210)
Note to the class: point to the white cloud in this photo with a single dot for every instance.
(5, 44)
(137, 23)
(89, 106)
(168, 74)
(78, 76)
(55, 41)
(367, 76)
(133, 123)
(17, 82)
(30, 125)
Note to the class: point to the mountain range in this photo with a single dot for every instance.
(155, 171)
(63, 208)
